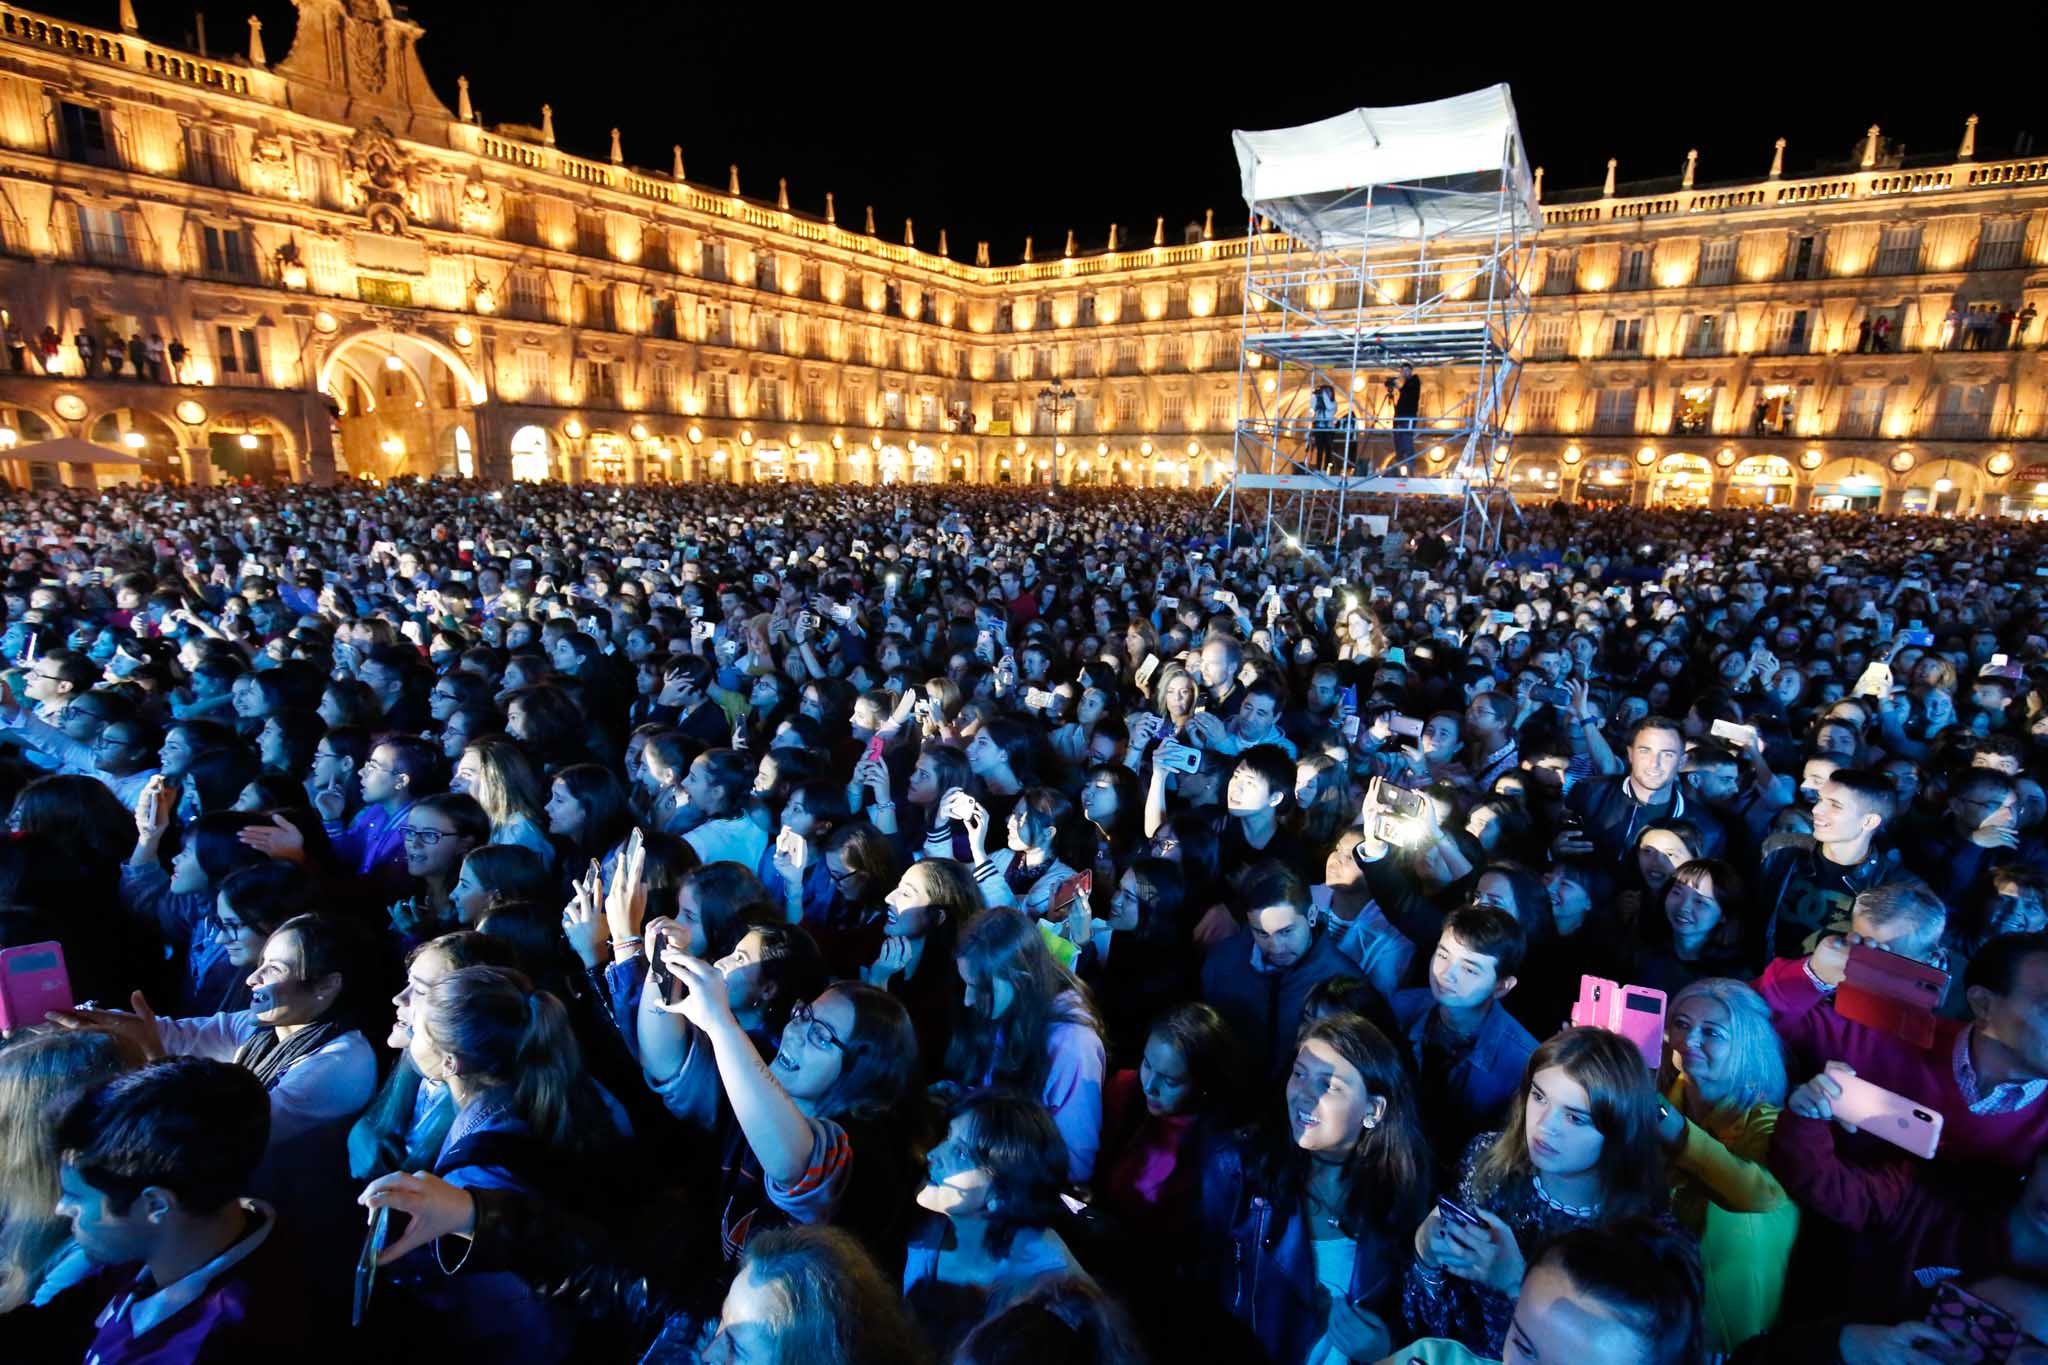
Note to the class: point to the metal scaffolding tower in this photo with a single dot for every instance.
(1382, 238)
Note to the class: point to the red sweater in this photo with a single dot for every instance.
(1815, 1035)
(1917, 1221)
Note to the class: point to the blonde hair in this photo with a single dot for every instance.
(34, 1072)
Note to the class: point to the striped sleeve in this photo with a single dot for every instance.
(814, 1196)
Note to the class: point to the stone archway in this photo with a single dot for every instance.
(403, 394)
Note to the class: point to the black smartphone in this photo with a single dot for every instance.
(1454, 1212)
(366, 1264)
(673, 988)
(1551, 695)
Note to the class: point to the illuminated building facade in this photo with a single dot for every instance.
(357, 278)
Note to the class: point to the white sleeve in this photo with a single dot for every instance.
(217, 1036)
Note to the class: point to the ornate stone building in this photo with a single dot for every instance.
(326, 269)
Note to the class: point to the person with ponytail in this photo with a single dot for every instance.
(515, 1076)
(526, 1119)
(404, 1126)
(301, 1033)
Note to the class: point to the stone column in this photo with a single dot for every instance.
(1894, 499)
(1717, 498)
(1639, 489)
(319, 452)
(198, 465)
(1802, 497)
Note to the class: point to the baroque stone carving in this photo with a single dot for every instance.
(381, 177)
(272, 169)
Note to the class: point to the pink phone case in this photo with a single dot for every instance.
(32, 983)
(1906, 1124)
(1635, 1012)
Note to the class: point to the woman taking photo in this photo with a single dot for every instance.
(1721, 1107)
(300, 1035)
(991, 1195)
(1316, 1206)
(1027, 873)
(820, 1134)
(495, 771)
(1026, 1022)
(1580, 1150)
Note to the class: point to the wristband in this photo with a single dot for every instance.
(882, 805)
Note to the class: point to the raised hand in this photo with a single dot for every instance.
(625, 900)
(139, 1027)
(280, 839)
(581, 924)
(155, 804)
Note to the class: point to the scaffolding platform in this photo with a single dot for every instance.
(1358, 485)
(1422, 344)
(1383, 238)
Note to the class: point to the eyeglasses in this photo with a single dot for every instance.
(840, 879)
(426, 838)
(817, 1032)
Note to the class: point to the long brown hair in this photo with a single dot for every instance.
(1005, 944)
(1387, 1175)
(1623, 1101)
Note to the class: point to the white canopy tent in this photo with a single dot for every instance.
(1440, 169)
(70, 450)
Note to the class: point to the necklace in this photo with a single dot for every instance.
(1320, 1206)
(1582, 1212)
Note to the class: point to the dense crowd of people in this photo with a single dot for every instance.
(822, 925)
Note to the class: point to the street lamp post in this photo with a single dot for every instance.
(1058, 398)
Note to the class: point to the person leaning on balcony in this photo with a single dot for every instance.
(88, 352)
(116, 352)
(138, 354)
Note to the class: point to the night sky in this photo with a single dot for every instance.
(1078, 117)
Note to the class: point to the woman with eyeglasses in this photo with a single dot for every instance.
(440, 831)
(819, 1134)
(495, 771)
(1726, 1084)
